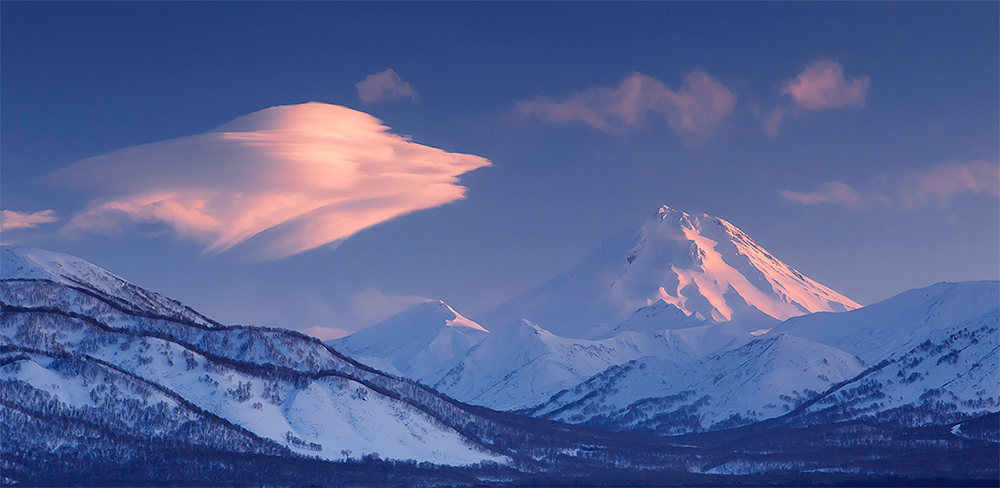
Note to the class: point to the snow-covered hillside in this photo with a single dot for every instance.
(65, 339)
(935, 352)
(524, 365)
(414, 342)
(896, 324)
(763, 379)
(103, 382)
(704, 266)
(22, 263)
(925, 357)
(521, 365)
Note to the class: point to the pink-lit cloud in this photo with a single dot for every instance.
(936, 185)
(832, 192)
(384, 85)
(10, 219)
(773, 121)
(693, 110)
(291, 178)
(944, 182)
(822, 86)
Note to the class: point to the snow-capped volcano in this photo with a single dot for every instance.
(703, 266)
(413, 342)
(679, 287)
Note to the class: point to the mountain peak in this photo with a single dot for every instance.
(414, 341)
(712, 268)
(703, 265)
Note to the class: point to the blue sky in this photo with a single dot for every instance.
(858, 142)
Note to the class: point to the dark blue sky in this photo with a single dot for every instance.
(79, 80)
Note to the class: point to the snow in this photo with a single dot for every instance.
(70, 391)
(702, 265)
(336, 413)
(756, 381)
(680, 287)
(703, 341)
(414, 342)
(949, 371)
(328, 416)
(881, 329)
(937, 351)
(22, 263)
(523, 364)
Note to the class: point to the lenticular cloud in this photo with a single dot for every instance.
(292, 177)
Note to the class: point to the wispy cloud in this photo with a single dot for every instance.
(10, 219)
(944, 182)
(773, 121)
(384, 85)
(822, 86)
(832, 192)
(293, 178)
(366, 307)
(693, 110)
(371, 305)
(935, 185)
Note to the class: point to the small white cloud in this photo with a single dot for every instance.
(935, 185)
(384, 85)
(10, 219)
(293, 178)
(822, 86)
(693, 110)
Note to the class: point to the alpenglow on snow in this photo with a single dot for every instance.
(701, 265)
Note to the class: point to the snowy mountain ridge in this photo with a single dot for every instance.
(679, 287)
(22, 263)
(98, 388)
(414, 342)
(762, 379)
(277, 390)
(521, 365)
(927, 356)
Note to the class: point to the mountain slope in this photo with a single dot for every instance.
(523, 365)
(22, 263)
(935, 353)
(760, 380)
(925, 357)
(413, 342)
(881, 329)
(679, 287)
(279, 387)
(97, 390)
(702, 265)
